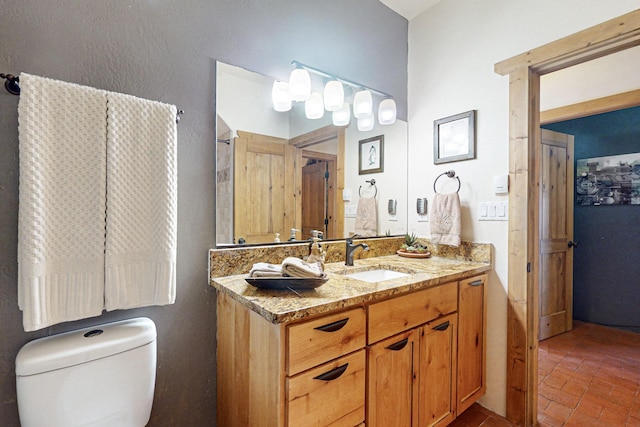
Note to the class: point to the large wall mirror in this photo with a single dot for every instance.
(281, 171)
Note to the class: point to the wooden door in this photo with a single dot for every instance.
(472, 320)
(314, 198)
(436, 401)
(556, 234)
(391, 381)
(264, 199)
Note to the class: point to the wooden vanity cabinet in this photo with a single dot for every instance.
(472, 324)
(413, 360)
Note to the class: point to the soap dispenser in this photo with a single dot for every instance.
(317, 253)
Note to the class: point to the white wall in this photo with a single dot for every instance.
(453, 47)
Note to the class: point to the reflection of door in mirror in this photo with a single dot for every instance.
(318, 188)
(264, 175)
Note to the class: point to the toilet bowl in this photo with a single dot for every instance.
(103, 376)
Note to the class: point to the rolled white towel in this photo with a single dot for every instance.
(295, 267)
(264, 269)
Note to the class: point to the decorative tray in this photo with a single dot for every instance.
(287, 282)
(414, 254)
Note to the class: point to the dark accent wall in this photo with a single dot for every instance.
(606, 264)
(166, 50)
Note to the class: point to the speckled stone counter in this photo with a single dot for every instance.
(343, 292)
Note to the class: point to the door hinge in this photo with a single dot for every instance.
(528, 267)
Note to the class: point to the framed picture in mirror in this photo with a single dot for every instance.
(371, 155)
(454, 138)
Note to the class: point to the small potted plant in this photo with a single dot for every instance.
(411, 248)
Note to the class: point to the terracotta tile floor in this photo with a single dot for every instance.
(589, 377)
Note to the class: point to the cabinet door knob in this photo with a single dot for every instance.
(332, 374)
(442, 326)
(399, 345)
(332, 327)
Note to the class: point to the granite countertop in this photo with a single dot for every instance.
(283, 306)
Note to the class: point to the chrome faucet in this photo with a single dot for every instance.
(350, 249)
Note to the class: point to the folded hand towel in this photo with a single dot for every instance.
(61, 218)
(264, 269)
(366, 217)
(295, 267)
(140, 250)
(445, 219)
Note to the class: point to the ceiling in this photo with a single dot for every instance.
(409, 8)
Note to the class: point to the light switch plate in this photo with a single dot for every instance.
(350, 210)
(493, 211)
(423, 218)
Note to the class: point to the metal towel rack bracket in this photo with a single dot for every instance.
(450, 174)
(370, 182)
(11, 83)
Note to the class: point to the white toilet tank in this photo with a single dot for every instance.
(103, 376)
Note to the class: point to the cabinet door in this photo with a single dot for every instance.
(471, 341)
(390, 381)
(436, 372)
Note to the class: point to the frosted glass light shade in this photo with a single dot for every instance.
(342, 117)
(362, 104)
(366, 123)
(280, 96)
(300, 85)
(314, 106)
(387, 112)
(333, 95)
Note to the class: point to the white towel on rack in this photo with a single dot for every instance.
(445, 219)
(61, 217)
(140, 258)
(366, 217)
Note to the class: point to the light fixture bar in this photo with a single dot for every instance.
(340, 79)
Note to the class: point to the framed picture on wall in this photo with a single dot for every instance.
(371, 155)
(454, 138)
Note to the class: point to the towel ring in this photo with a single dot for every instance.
(450, 174)
(371, 182)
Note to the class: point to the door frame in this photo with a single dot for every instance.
(524, 72)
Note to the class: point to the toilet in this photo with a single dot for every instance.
(103, 376)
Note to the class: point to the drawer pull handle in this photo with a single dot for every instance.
(332, 374)
(399, 345)
(442, 326)
(476, 283)
(332, 327)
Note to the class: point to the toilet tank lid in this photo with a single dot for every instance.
(83, 345)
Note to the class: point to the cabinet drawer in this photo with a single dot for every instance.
(395, 315)
(330, 395)
(317, 341)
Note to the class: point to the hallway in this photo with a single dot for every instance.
(588, 377)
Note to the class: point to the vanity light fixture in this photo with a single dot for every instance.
(387, 112)
(280, 96)
(299, 85)
(333, 99)
(314, 106)
(366, 123)
(362, 104)
(342, 117)
(333, 95)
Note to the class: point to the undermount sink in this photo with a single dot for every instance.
(378, 275)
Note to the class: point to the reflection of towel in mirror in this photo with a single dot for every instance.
(295, 267)
(445, 219)
(366, 217)
(264, 269)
